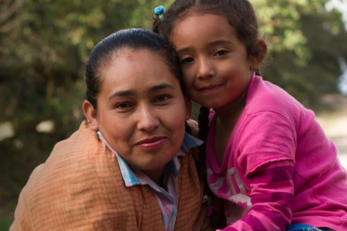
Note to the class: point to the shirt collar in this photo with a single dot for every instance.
(132, 178)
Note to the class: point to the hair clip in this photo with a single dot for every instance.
(159, 11)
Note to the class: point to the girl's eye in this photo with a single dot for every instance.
(187, 60)
(162, 99)
(221, 52)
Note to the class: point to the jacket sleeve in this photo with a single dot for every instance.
(265, 157)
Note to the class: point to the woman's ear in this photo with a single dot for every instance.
(188, 108)
(91, 115)
(258, 53)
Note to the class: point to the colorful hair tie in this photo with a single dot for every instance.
(159, 11)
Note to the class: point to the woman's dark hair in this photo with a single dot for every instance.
(241, 16)
(135, 39)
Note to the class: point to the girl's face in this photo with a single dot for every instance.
(141, 110)
(214, 62)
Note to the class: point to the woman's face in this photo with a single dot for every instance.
(141, 110)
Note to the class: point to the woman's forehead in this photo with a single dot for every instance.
(136, 69)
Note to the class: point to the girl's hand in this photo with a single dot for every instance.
(194, 126)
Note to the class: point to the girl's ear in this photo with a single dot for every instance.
(258, 53)
(91, 115)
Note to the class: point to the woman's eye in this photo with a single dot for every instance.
(221, 52)
(162, 99)
(123, 106)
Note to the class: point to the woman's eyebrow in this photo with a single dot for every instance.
(121, 93)
(161, 86)
(132, 92)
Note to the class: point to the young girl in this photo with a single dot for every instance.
(266, 156)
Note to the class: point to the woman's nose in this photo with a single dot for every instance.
(147, 119)
(205, 68)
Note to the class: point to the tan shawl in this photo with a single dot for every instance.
(80, 187)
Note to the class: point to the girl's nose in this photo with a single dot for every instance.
(205, 68)
(147, 120)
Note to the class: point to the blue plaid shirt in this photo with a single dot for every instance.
(167, 199)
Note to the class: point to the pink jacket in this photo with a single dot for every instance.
(279, 166)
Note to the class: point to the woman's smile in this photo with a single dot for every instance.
(151, 143)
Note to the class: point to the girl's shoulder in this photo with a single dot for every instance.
(264, 96)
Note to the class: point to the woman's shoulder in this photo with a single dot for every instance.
(73, 164)
(79, 177)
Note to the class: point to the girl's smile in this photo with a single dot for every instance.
(209, 87)
(214, 62)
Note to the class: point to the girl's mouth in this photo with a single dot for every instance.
(209, 87)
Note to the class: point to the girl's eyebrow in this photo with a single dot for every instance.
(216, 42)
(182, 50)
(221, 41)
(132, 92)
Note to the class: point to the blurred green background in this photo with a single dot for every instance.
(44, 45)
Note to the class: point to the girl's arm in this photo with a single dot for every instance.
(266, 147)
(271, 197)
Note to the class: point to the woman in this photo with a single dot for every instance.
(129, 166)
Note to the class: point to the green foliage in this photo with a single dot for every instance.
(308, 76)
(5, 223)
(6, 217)
(279, 21)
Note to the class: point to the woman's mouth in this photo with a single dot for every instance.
(151, 142)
